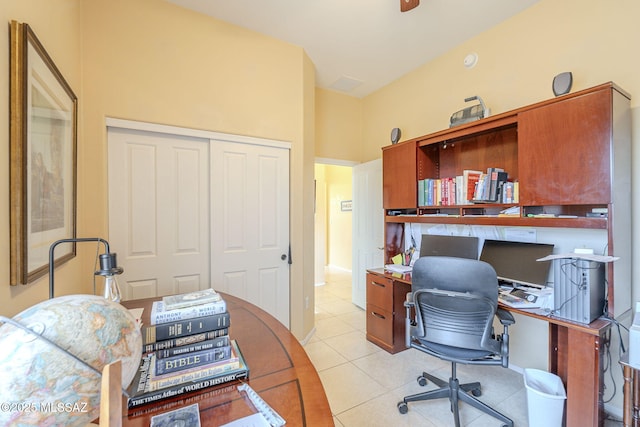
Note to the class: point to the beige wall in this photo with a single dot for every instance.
(151, 61)
(338, 126)
(57, 25)
(339, 189)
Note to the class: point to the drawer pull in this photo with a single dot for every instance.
(382, 285)
(379, 316)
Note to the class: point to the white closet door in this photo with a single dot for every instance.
(250, 224)
(159, 211)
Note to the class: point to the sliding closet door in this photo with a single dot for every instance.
(191, 209)
(250, 224)
(159, 211)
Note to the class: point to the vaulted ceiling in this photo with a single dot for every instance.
(359, 46)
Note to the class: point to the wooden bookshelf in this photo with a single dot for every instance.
(569, 154)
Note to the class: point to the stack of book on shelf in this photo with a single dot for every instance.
(186, 348)
(470, 187)
(495, 187)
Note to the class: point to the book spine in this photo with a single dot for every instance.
(189, 375)
(421, 201)
(179, 342)
(160, 314)
(155, 333)
(142, 376)
(471, 181)
(156, 395)
(191, 360)
(200, 346)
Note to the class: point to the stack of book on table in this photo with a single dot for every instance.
(186, 348)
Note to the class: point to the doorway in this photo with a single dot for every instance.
(349, 222)
(333, 219)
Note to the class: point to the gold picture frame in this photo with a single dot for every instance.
(43, 150)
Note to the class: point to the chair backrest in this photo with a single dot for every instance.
(455, 302)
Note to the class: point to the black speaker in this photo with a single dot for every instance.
(395, 135)
(562, 83)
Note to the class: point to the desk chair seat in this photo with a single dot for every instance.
(450, 313)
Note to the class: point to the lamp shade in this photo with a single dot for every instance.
(41, 378)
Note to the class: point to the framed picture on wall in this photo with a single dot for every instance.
(43, 138)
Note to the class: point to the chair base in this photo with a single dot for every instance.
(455, 392)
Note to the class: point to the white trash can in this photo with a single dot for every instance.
(545, 398)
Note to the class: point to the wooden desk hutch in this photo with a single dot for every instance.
(569, 154)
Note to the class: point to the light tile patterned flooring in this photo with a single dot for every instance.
(364, 383)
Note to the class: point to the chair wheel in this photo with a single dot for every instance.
(422, 381)
(403, 408)
(477, 393)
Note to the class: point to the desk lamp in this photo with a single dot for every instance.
(52, 355)
(108, 267)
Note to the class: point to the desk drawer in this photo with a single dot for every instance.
(380, 324)
(380, 292)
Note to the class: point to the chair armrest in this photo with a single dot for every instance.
(505, 317)
(408, 321)
(408, 302)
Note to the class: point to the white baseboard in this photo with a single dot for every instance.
(306, 339)
(335, 267)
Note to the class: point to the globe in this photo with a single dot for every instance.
(46, 371)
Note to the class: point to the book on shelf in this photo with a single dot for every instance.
(469, 179)
(160, 314)
(138, 392)
(184, 341)
(217, 342)
(498, 178)
(189, 299)
(167, 365)
(459, 187)
(480, 189)
(448, 191)
(488, 188)
(181, 328)
(507, 192)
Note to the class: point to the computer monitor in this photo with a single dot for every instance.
(455, 246)
(515, 262)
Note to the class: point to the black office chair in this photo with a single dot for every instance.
(454, 301)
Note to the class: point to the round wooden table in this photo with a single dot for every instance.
(279, 371)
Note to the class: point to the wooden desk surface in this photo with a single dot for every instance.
(279, 371)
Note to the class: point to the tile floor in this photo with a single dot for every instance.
(364, 383)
